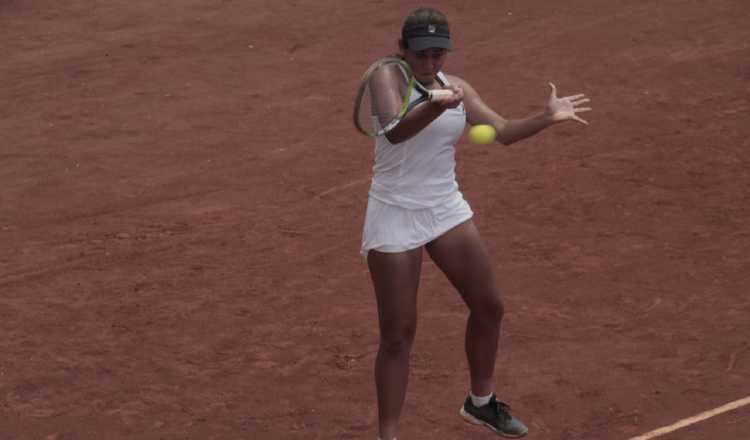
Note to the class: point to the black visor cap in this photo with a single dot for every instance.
(426, 36)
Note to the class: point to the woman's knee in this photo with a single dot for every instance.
(397, 339)
(489, 308)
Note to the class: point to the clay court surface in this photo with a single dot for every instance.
(182, 194)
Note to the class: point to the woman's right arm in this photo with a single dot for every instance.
(422, 115)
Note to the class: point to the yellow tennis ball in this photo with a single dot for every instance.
(482, 134)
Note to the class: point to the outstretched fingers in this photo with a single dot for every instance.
(579, 119)
(575, 97)
(577, 101)
(567, 108)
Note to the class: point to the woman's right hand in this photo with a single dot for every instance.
(450, 101)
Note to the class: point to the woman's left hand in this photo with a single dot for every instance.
(564, 109)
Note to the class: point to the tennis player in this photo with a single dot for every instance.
(414, 204)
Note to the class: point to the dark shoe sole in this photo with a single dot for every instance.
(475, 421)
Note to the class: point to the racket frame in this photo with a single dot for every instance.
(406, 105)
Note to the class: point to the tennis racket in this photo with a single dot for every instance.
(385, 94)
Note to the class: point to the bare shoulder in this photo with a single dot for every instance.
(477, 111)
(455, 80)
(460, 82)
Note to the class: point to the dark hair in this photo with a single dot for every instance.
(426, 27)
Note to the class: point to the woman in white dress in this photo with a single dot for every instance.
(415, 204)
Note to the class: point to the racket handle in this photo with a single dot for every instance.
(438, 93)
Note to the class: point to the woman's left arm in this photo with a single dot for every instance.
(513, 130)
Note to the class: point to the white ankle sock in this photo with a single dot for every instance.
(480, 400)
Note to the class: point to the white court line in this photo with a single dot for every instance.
(695, 419)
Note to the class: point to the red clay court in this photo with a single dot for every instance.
(182, 194)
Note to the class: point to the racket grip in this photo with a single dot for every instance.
(438, 93)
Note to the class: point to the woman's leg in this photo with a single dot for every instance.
(395, 277)
(461, 255)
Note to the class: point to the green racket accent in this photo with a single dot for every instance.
(409, 89)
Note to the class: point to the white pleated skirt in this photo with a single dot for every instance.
(391, 228)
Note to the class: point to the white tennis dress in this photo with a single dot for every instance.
(414, 196)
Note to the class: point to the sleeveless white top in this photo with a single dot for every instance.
(419, 172)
